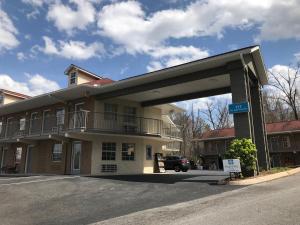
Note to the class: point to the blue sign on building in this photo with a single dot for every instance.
(239, 107)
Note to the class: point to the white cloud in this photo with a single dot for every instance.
(127, 24)
(8, 32)
(21, 56)
(77, 50)
(34, 84)
(38, 3)
(282, 72)
(68, 19)
(33, 14)
(201, 103)
(172, 56)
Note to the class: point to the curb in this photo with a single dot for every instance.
(257, 180)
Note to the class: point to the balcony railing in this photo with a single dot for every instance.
(121, 124)
(90, 122)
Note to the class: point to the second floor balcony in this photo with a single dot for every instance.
(84, 121)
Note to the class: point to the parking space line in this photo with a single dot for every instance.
(41, 180)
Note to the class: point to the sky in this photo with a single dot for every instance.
(39, 39)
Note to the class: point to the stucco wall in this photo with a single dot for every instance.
(138, 166)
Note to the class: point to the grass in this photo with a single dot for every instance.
(267, 172)
(274, 170)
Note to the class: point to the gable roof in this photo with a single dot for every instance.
(73, 66)
(15, 94)
(272, 128)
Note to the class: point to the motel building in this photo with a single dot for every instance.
(283, 143)
(98, 126)
(70, 131)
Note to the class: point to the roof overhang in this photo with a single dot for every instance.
(201, 78)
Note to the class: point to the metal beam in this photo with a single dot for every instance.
(26, 141)
(200, 94)
(218, 71)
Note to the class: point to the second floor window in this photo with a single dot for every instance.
(73, 77)
(60, 116)
(110, 111)
(130, 115)
(22, 124)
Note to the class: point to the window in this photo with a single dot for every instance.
(18, 155)
(1, 99)
(73, 77)
(60, 116)
(57, 152)
(108, 151)
(148, 152)
(22, 124)
(130, 115)
(128, 151)
(110, 111)
(285, 141)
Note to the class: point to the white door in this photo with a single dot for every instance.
(76, 157)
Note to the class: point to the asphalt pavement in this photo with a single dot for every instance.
(275, 202)
(83, 200)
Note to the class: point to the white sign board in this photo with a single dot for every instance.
(232, 165)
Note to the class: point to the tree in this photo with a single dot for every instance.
(275, 109)
(286, 82)
(244, 150)
(192, 126)
(217, 115)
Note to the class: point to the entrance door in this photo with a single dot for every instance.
(28, 165)
(76, 156)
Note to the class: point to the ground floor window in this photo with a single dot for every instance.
(128, 151)
(108, 151)
(148, 152)
(57, 152)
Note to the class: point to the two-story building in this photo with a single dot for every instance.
(73, 131)
(283, 142)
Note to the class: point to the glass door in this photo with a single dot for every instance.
(76, 156)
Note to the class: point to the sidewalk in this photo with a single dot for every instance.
(260, 179)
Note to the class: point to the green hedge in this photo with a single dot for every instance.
(244, 150)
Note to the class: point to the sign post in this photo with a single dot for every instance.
(232, 166)
(239, 107)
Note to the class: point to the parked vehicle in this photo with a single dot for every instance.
(193, 165)
(177, 163)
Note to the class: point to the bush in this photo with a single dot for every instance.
(245, 151)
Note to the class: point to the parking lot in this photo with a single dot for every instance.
(84, 200)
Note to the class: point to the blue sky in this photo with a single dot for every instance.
(118, 39)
